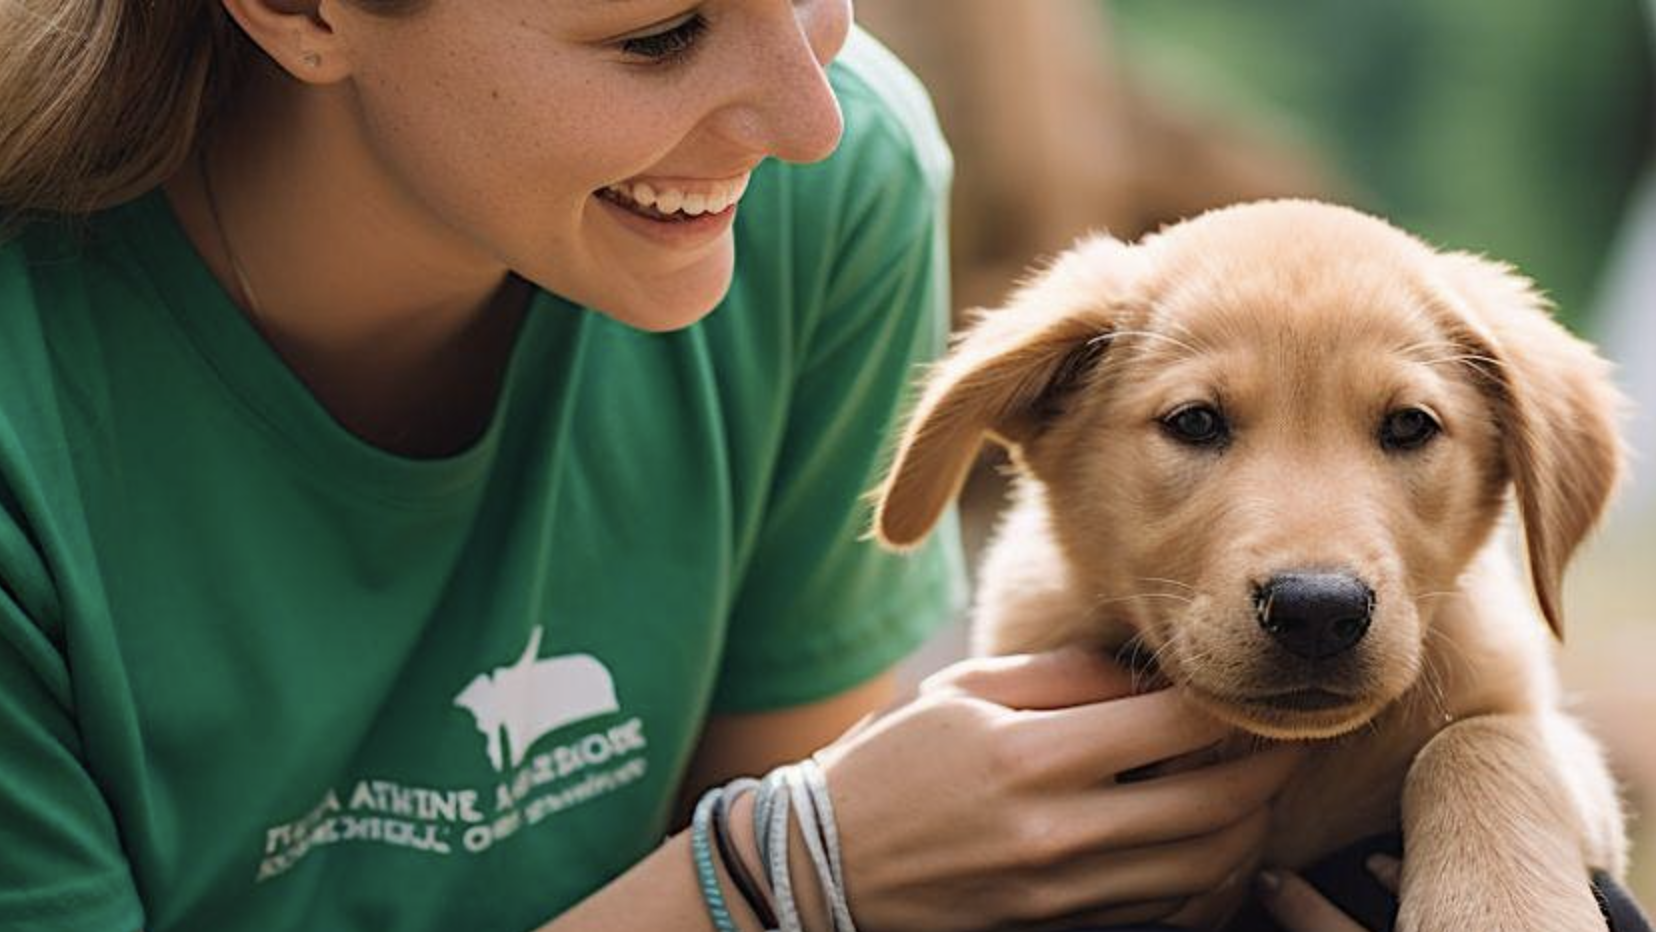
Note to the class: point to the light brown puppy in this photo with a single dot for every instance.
(1265, 453)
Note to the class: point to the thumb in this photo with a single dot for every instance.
(1056, 679)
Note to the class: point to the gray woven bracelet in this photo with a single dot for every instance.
(817, 782)
(811, 828)
(763, 800)
(776, 854)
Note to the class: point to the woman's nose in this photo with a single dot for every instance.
(786, 107)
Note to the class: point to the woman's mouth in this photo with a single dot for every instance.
(675, 204)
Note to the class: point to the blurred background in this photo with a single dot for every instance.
(1519, 129)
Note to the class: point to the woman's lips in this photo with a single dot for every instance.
(678, 229)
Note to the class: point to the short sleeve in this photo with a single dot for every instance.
(61, 862)
(821, 607)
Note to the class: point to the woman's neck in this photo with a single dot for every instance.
(399, 327)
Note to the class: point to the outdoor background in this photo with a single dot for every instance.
(1520, 129)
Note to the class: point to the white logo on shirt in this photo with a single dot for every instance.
(532, 698)
(526, 701)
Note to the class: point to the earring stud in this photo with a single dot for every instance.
(313, 59)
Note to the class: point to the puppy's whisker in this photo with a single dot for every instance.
(1444, 348)
(1163, 579)
(1153, 335)
(1433, 676)
(1469, 361)
(1434, 687)
(1424, 345)
(1455, 651)
(1155, 663)
(1139, 664)
(1142, 595)
(1183, 328)
(1422, 597)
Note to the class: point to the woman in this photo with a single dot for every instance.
(406, 499)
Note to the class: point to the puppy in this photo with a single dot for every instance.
(1264, 455)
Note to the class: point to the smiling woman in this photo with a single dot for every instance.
(434, 441)
(368, 271)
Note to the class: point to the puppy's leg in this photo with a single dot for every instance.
(1493, 836)
(1588, 778)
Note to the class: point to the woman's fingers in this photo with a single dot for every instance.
(1052, 680)
(1183, 805)
(1298, 907)
(1386, 869)
(1103, 739)
(1127, 876)
(1110, 917)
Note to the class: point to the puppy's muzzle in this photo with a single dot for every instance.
(1314, 615)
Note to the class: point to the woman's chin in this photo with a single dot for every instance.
(660, 319)
(670, 303)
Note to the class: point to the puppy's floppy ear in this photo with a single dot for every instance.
(1004, 379)
(1557, 410)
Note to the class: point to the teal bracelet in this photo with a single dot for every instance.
(702, 851)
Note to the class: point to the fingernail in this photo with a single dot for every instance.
(1268, 883)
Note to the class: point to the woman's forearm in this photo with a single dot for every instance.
(661, 891)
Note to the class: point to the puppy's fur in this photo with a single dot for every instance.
(1306, 326)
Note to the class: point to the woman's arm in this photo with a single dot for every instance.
(987, 802)
(752, 744)
(661, 891)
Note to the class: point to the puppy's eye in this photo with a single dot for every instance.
(1407, 429)
(1198, 425)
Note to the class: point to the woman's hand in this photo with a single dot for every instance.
(990, 800)
(1298, 907)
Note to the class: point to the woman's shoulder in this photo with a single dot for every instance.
(39, 264)
(63, 292)
(46, 272)
(32, 263)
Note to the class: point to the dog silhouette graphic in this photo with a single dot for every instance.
(533, 697)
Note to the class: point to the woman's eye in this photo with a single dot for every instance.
(668, 45)
(1197, 425)
(1407, 429)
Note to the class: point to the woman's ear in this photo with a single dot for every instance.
(1003, 380)
(1557, 410)
(296, 35)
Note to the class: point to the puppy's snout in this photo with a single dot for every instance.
(1314, 615)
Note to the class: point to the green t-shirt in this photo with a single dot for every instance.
(258, 674)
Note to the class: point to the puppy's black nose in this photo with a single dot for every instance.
(1315, 615)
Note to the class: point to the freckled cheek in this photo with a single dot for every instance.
(542, 131)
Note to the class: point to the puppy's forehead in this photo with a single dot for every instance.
(1312, 275)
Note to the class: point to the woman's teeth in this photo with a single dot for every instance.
(677, 203)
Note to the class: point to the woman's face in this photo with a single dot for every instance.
(513, 121)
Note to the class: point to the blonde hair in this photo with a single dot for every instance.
(101, 100)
